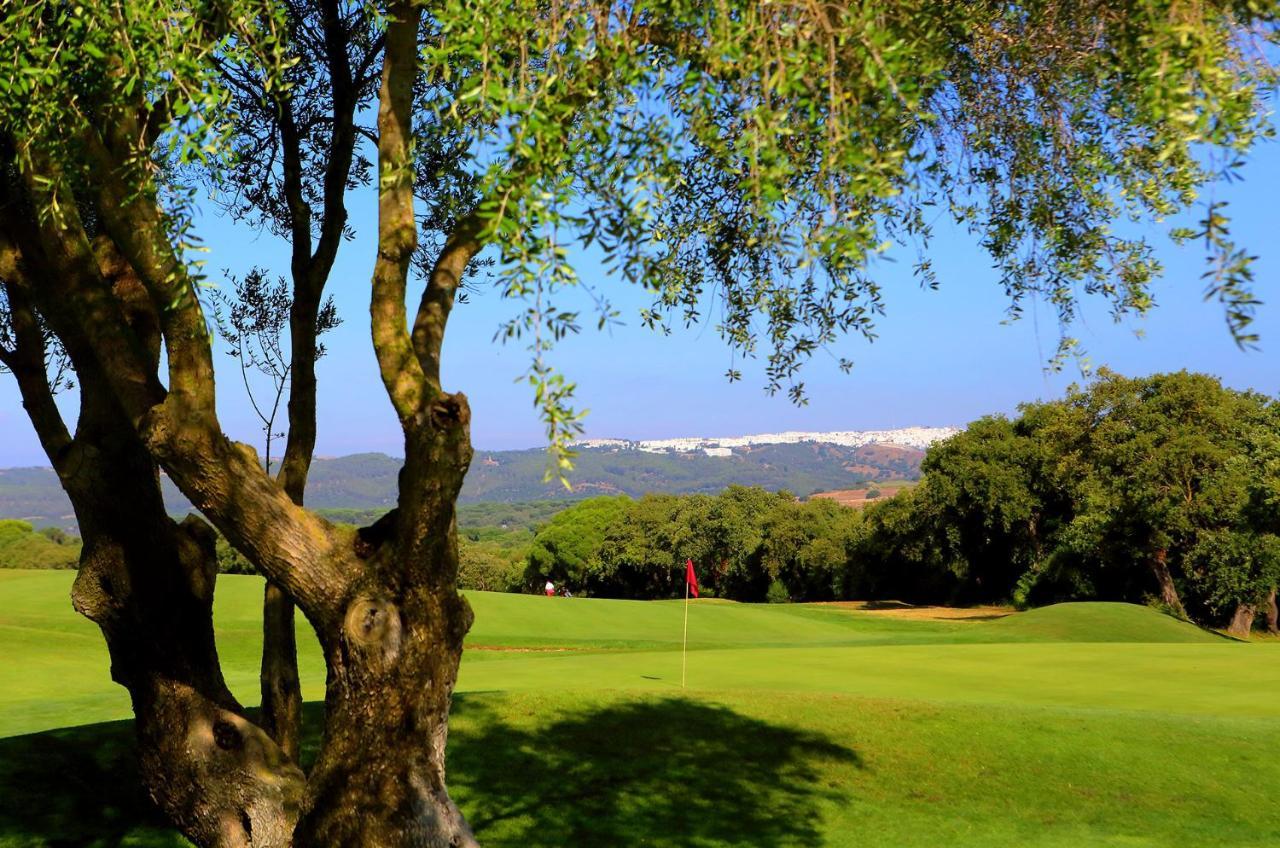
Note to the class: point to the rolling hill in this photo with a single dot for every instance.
(367, 481)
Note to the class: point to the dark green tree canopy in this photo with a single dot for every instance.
(1159, 487)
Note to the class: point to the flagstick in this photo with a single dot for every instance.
(684, 650)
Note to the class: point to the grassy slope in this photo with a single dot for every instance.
(1084, 724)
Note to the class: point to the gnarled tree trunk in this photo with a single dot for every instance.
(384, 604)
(1164, 581)
(148, 583)
(1242, 620)
(393, 661)
(1272, 612)
(220, 779)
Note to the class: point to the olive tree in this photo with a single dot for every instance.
(747, 159)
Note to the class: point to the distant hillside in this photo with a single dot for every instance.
(34, 495)
(367, 481)
(799, 468)
(858, 498)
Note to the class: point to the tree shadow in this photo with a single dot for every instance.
(77, 788)
(666, 771)
(671, 771)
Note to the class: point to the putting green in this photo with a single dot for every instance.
(1080, 724)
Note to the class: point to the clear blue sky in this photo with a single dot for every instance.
(943, 357)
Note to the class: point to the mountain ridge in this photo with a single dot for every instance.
(681, 466)
(914, 437)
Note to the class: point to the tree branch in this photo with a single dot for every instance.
(27, 361)
(437, 299)
(223, 480)
(401, 371)
(342, 142)
(137, 227)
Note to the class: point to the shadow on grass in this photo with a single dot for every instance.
(666, 772)
(77, 787)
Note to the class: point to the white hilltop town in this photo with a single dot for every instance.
(909, 437)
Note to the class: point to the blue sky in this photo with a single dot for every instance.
(943, 357)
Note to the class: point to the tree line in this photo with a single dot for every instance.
(1163, 489)
(748, 544)
(23, 546)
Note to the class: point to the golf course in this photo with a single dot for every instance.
(1071, 725)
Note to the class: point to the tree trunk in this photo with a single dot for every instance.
(380, 778)
(281, 690)
(148, 583)
(1242, 620)
(219, 779)
(1164, 579)
(387, 611)
(393, 662)
(1273, 612)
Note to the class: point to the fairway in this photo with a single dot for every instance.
(1080, 724)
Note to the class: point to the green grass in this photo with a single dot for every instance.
(1074, 725)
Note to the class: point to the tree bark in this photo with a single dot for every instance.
(281, 689)
(220, 779)
(393, 658)
(393, 663)
(1273, 612)
(1164, 580)
(1242, 620)
(148, 584)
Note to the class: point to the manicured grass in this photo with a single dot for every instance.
(1081, 724)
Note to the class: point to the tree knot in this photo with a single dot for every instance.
(226, 736)
(373, 628)
(449, 411)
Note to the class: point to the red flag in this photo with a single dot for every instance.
(690, 577)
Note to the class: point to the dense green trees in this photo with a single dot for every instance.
(563, 547)
(1162, 487)
(23, 546)
(744, 541)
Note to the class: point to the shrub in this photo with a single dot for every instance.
(21, 546)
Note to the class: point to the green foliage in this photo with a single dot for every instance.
(744, 159)
(1085, 497)
(22, 546)
(1229, 567)
(563, 548)
(806, 547)
(231, 561)
(768, 153)
(507, 517)
(489, 567)
(742, 541)
(56, 535)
